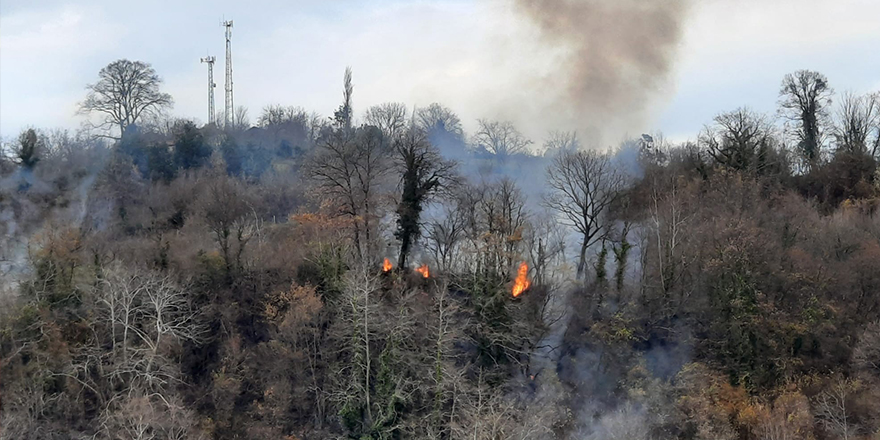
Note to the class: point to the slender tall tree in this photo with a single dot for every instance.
(343, 115)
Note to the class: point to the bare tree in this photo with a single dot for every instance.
(389, 117)
(504, 219)
(487, 413)
(483, 229)
(875, 147)
(351, 168)
(140, 321)
(289, 126)
(789, 418)
(857, 120)
(866, 355)
(23, 407)
(561, 141)
(230, 215)
(443, 235)
(240, 119)
(500, 138)
(740, 140)
(545, 242)
(125, 92)
(832, 408)
(583, 185)
(145, 417)
(668, 224)
(437, 117)
(280, 115)
(484, 415)
(444, 332)
(359, 312)
(804, 98)
(375, 370)
(143, 311)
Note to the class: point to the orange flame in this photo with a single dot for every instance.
(386, 266)
(423, 269)
(522, 280)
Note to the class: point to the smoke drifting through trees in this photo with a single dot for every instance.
(235, 282)
(617, 55)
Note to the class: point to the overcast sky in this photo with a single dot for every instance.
(457, 52)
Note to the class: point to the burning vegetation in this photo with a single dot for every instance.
(168, 237)
(423, 269)
(521, 283)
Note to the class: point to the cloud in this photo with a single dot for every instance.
(482, 58)
(43, 56)
(735, 53)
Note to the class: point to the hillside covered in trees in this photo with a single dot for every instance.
(382, 274)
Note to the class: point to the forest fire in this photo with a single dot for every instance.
(249, 245)
(521, 283)
(423, 269)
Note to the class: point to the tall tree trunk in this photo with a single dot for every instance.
(582, 260)
(405, 243)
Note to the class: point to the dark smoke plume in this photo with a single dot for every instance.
(616, 55)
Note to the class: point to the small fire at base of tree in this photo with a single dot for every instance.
(423, 269)
(521, 283)
(387, 266)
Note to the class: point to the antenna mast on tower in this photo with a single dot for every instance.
(210, 60)
(230, 116)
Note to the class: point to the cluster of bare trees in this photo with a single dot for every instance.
(230, 216)
(390, 118)
(352, 169)
(858, 127)
(487, 228)
(437, 117)
(583, 186)
(741, 140)
(125, 369)
(806, 101)
(500, 138)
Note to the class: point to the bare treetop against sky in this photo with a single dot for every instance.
(624, 67)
